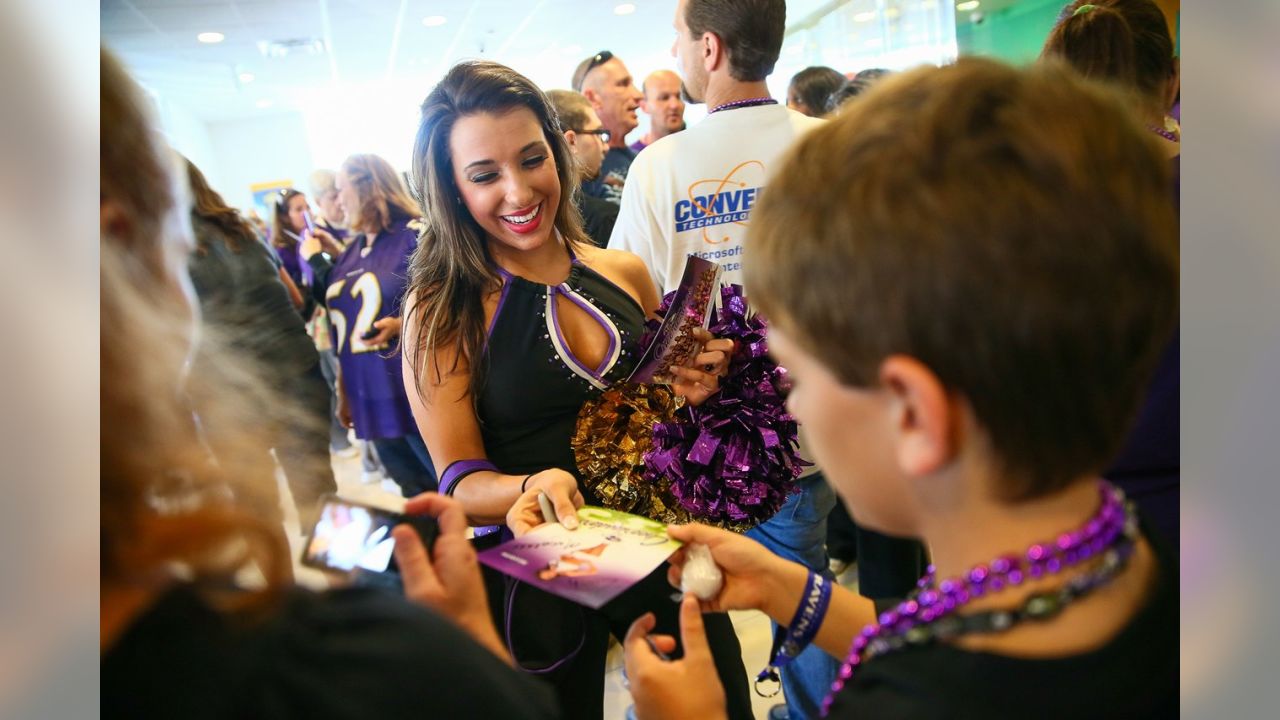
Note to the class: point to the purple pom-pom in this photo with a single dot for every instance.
(733, 459)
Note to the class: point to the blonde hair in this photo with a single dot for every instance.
(164, 502)
(323, 182)
(381, 192)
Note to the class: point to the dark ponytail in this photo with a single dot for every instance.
(1124, 41)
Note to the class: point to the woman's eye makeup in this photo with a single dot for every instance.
(483, 177)
(535, 161)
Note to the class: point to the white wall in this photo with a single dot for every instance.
(187, 134)
(263, 149)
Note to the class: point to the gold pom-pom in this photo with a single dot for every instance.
(613, 434)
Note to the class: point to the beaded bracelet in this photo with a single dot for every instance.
(790, 641)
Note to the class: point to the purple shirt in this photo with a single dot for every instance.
(290, 258)
(367, 283)
(637, 146)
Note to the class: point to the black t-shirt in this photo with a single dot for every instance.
(598, 218)
(1133, 676)
(614, 167)
(353, 653)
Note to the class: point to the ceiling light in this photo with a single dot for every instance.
(865, 16)
(968, 5)
(263, 104)
(246, 77)
(434, 20)
(210, 38)
(624, 9)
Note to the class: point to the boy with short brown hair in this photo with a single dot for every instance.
(969, 276)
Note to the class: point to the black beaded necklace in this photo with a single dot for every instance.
(749, 102)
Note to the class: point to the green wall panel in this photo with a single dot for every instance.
(1014, 34)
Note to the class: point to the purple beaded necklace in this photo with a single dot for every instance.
(1113, 529)
(749, 102)
(1164, 133)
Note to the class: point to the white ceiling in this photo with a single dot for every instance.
(375, 43)
(370, 42)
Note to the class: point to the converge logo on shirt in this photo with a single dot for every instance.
(719, 201)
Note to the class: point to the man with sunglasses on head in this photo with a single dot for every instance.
(607, 84)
(589, 141)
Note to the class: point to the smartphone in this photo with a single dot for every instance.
(351, 536)
(371, 334)
(306, 218)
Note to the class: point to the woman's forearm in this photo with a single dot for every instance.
(486, 496)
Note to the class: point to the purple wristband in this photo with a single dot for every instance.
(790, 641)
(459, 469)
(808, 618)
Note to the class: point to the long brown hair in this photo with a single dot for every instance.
(280, 218)
(451, 270)
(208, 205)
(383, 197)
(163, 502)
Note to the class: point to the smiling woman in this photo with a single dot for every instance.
(506, 193)
(512, 322)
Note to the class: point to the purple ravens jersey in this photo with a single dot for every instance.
(367, 283)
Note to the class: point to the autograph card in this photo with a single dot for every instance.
(609, 552)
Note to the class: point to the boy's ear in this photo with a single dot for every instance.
(922, 415)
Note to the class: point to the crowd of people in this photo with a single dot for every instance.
(970, 274)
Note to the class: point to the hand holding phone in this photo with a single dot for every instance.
(388, 327)
(447, 579)
(350, 535)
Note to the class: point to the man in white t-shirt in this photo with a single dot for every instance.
(691, 193)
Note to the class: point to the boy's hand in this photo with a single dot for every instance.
(684, 688)
(754, 577)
